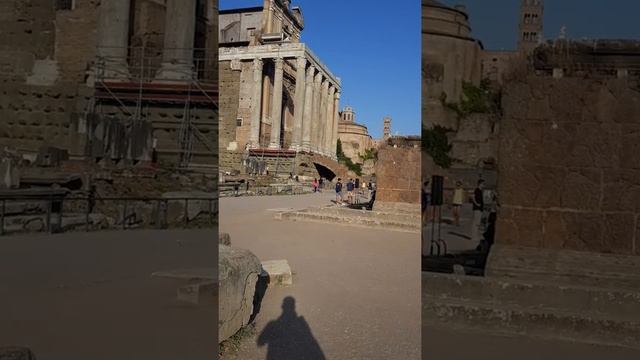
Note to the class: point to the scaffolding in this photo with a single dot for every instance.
(139, 81)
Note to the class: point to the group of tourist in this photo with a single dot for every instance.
(355, 189)
(478, 201)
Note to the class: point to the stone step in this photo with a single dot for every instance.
(368, 222)
(277, 271)
(565, 266)
(614, 304)
(518, 320)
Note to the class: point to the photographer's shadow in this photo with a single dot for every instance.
(289, 337)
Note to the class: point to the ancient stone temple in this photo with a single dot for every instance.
(354, 137)
(277, 97)
(105, 80)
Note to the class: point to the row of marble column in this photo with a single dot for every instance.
(113, 39)
(316, 106)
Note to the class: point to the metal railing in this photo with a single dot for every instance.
(50, 211)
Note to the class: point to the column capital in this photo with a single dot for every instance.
(278, 61)
(332, 89)
(338, 94)
(257, 62)
(318, 78)
(301, 61)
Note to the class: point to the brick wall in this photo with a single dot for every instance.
(398, 175)
(569, 170)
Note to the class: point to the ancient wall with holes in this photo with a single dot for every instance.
(33, 116)
(569, 170)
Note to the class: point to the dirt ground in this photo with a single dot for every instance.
(355, 292)
(91, 295)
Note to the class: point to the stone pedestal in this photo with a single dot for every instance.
(177, 56)
(113, 40)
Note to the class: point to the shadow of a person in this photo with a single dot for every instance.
(289, 337)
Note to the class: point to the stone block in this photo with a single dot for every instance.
(238, 275)
(621, 191)
(630, 146)
(520, 227)
(574, 231)
(619, 232)
(277, 271)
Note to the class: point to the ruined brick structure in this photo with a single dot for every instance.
(70, 72)
(398, 174)
(569, 175)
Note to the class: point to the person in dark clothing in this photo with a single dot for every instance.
(339, 191)
(478, 209)
(350, 191)
(426, 198)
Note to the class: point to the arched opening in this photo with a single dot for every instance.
(325, 172)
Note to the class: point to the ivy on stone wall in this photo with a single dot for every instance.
(435, 143)
(474, 100)
(369, 154)
(346, 161)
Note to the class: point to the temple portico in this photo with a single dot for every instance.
(292, 99)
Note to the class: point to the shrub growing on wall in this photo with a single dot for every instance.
(346, 161)
(436, 144)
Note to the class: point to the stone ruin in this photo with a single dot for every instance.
(398, 175)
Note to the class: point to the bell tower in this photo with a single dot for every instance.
(530, 29)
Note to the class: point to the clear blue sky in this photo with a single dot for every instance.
(374, 47)
(495, 22)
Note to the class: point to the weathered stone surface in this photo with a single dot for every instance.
(224, 239)
(16, 353)
(578, 268)
(238, 275)
(397, 183)
(9, 174)
(520, 226)
(621, 191)
(574, 164)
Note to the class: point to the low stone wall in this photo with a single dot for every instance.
(569, 170)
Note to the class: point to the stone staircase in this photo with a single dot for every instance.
(406, 222)
(568, 305)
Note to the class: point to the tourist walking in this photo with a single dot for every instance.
(314, 184)
(320, 182)
(350, 191)
(458, 199)
(478, 208)
(426, 199)
(339, 191)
